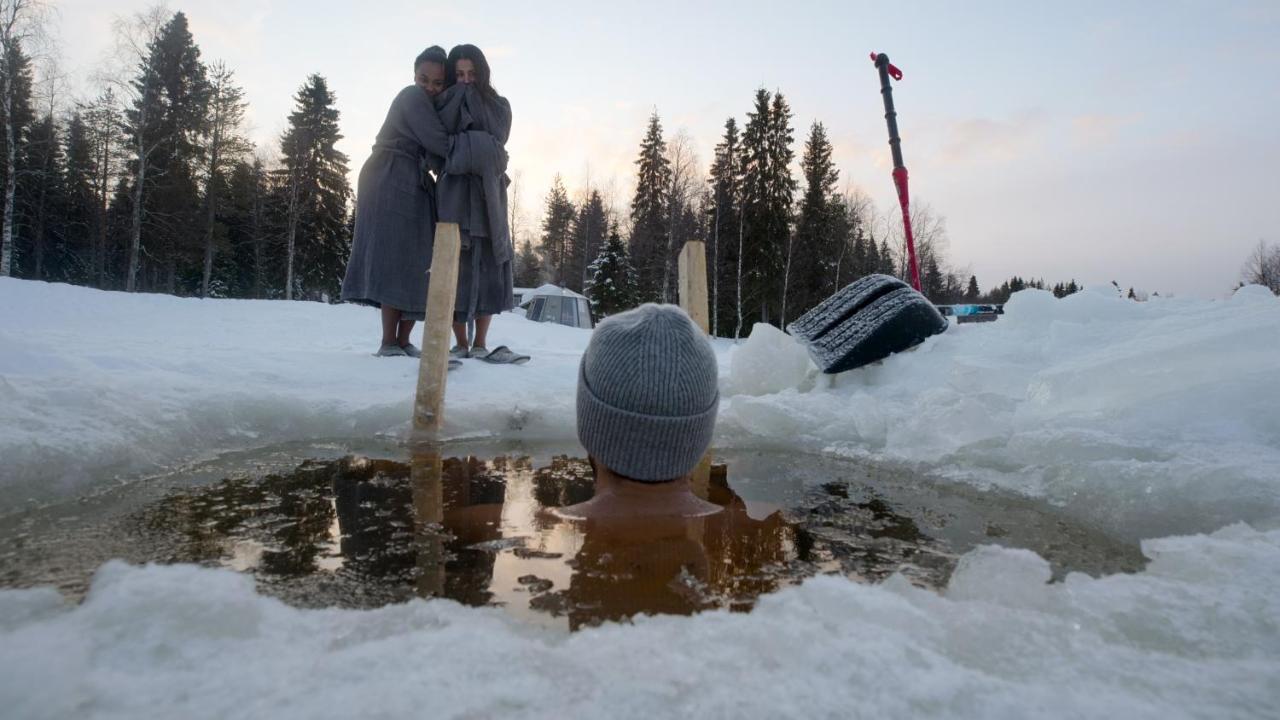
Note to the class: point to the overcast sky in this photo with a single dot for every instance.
(1127, 141)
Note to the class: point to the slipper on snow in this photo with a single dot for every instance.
(502, 355)
(454, 364)
(869, 320)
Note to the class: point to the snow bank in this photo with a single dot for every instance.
(1192, 636)
(1157, 417)
(97, 384)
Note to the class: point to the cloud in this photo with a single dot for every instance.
(985, 140)
(1101, 129)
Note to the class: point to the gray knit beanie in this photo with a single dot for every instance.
(648, 394)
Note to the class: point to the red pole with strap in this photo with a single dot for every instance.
(888, 70)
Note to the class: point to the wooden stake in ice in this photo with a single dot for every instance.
(693, 300)
(433, 367)
(693, 283)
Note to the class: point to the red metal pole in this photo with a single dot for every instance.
(899, 168)
(904, 199)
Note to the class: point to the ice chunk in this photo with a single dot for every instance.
(1254, 294)
(770, 361)
(1003, 576)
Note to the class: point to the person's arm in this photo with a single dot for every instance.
(416, 117)
(475, 152)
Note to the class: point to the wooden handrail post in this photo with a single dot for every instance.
(693, 283)
(433, 367)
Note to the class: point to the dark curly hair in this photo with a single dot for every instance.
(434, 54)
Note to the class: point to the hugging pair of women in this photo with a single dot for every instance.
(440, 156)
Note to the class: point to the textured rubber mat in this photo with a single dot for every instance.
(869, 320)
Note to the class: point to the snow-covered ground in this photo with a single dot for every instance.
(1161, 419)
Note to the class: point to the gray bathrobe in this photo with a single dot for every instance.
(396, 209)
(472, 191)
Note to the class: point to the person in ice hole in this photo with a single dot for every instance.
(647, 401)
(396, 209)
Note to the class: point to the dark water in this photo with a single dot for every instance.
(362, 532)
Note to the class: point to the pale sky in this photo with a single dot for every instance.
(1134, 141)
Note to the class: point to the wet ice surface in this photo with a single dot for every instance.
(363, 532)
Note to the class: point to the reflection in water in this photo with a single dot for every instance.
(503, 547)
(361, 532)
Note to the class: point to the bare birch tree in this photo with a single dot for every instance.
(684, 183)
(102, 125)
(22, 25)
(861, 212)
(1262, 267)
(134, 37)
(49, 87)
(515, 220)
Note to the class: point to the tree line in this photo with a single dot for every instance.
(152, 184)
(775, 247)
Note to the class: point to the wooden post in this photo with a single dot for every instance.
(693, 300)
(433, 367)
(701, 479)
(693, 283)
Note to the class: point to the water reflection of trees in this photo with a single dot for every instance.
(376, 531)
(288, 515)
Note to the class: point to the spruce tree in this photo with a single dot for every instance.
(315, 192)
(782, 188)
(528, 269)
(261, 192)
(872, 263)
(767, 196)
(556, 245)
(932, 282)
(723, 221)
(971, 293)
(757, 259)
(223, 146)
(233, 267)
(174, 200)
(811, 257)
(587, 232)
(887, 265)
(649, 211)
(80, 219)
(858, 258)
(613, 286)
(41, 201)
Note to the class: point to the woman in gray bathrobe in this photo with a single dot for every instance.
(396, 209)
(473, 193)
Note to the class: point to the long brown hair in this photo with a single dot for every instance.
(472, 53)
